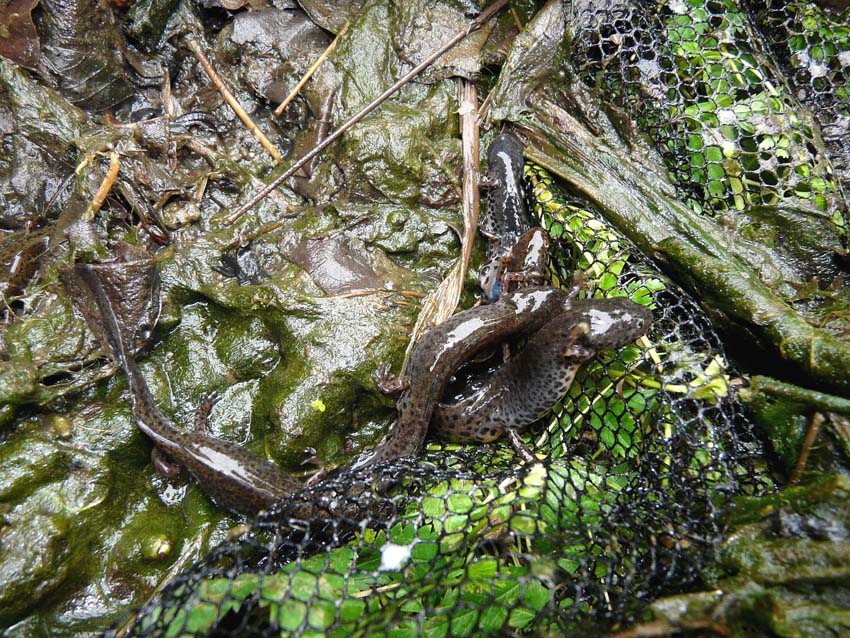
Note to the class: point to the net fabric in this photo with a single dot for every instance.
(636, 466)
(811, 44)
(697, 78)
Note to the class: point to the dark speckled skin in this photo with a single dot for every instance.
(505, 221)
(232, 476)
(444, 348)
(506, 218)
(19, 260)
(526, 387)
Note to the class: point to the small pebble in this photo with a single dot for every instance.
(157, 547)
(60, 426)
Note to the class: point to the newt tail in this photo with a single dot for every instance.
(232, 476)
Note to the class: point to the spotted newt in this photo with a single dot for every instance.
(443, 349)
(20, 254)
(526, 387)
(517, 252)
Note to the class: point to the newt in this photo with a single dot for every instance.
(517, 252)
(444, 348)
(20, 256)
(526, 387)
(232, 476)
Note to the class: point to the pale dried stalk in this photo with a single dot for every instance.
(105, 187)
(232, 101)
(441, 303)
(475, 25)
(311, 71)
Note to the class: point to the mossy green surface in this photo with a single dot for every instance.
(89, 530)
(783, 570)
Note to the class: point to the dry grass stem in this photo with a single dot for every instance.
(311, 71)
(232, 101)
(441, 303)
(485, 106)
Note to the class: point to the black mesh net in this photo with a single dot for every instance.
(811, 45)
(637, 464)
(699, 79)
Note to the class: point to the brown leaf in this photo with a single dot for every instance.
(18, 38)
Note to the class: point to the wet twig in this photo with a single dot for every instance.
(475, 25)
(485, 106)
(375, 291)
(245, 238)
(812, 432)
(517, 21)
(311, 71)
(195, 48)
(664, 629)
(105, 187)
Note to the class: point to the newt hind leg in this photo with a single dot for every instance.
(312, 458)
(164, 465)
(387, 383)
(519, 445)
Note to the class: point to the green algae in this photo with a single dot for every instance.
(784, 412)
(783, 570)
(291, 362)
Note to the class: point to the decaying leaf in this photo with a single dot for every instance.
(18, 38)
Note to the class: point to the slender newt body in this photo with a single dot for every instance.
(235, 478)
(444, 348)
(517, 252)
(526, 387)
(506, 219)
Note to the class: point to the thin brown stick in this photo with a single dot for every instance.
(485, 106)
(105, 187)
(195, 48)
(244, 238)
(475, 25)
(517, 21)
(811, 435)
(311, 71)
(663, 629)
